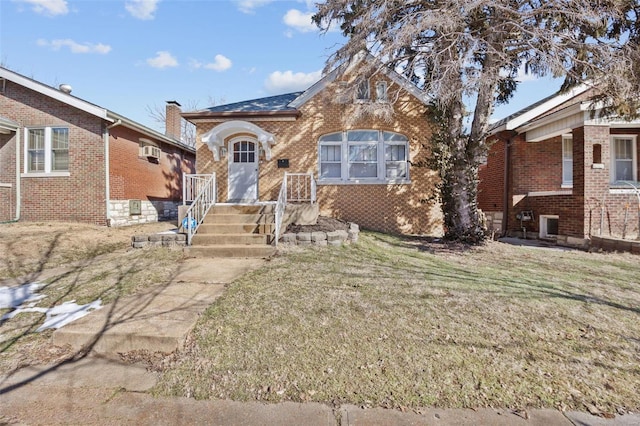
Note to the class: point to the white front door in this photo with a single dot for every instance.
(243, 170)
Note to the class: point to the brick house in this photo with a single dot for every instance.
(369, 169)
(559, 170)
(65, 159)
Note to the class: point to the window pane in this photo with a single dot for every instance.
(363, 170)
(36, 161)
(395, 153)
(394, 137)
(363, 90)
(36, 139)
(623, 149)
(330, 170)
(59, 138)
(567, 161)
(396, 170)
(330, 153)
(332, 137)
(381, 91)
(60, 160)
(367, 153)
(624, 170)
(362, 136)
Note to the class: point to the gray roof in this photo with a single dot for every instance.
(269, 104)
(524, 110)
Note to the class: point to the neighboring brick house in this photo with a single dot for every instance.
(65, 159)
(559, 170)
(369, 170)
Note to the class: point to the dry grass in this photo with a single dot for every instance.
(399, 322)
(73, 262)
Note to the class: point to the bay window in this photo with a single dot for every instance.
(363, 156)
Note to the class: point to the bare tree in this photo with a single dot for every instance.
(467, 55)
(187, 129)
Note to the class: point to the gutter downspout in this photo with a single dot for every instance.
(507, 176)
(18, 153)
(106, 167)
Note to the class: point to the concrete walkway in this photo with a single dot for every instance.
(99, 390)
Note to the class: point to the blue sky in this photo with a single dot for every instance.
(129, 55)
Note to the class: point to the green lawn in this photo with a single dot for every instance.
(403, 322)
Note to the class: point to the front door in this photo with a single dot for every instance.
(243, 170)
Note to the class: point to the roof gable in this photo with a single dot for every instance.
(89, 108)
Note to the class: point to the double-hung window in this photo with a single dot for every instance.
(46, 150)
(363, 156)
(567, 161)
(623, 159)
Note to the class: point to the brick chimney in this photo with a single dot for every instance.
(173, 120)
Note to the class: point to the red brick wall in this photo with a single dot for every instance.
(7, 177)
(135, 177)
(398, 208)
(537, 167)
(491, 175)
(79, 197)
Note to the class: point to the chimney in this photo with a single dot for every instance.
(173, 120)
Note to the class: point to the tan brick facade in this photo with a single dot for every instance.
(409, 208)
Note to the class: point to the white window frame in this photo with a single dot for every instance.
(48, 153)
(544, 225)
(381, 162)
(381, 91)
(634, 160)
(567, 161)
(363, 91)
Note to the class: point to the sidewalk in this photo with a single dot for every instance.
(98, 390)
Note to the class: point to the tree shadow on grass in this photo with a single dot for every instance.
(503, 284)
(67, 282)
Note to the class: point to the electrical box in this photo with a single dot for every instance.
(135, 207)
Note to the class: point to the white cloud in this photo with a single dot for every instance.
(250, 6)
(220, 63)
(288, 81)
(142, 9)
(163, 59)
(74, 46)
(48, 7)
(299, 20)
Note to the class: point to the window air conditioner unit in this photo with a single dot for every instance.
(151, 152)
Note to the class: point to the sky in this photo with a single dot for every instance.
(129, 56)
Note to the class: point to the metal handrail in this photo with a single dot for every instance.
(301, 187)
(192, 185)
(200, 207)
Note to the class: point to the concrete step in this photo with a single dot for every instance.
(235, 250)
(213, 217)
(242, 208)
(236, 228)
(201, 239)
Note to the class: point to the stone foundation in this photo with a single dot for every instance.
(320, 238)
(150, 211)
(159, 240)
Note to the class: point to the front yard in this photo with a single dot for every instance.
(393, 322)
(406, 323)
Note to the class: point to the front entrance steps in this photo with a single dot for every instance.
(236, 230)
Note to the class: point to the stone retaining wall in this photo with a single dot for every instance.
(150, 211)
(159, 240)
(613, 244)
(320, 238)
